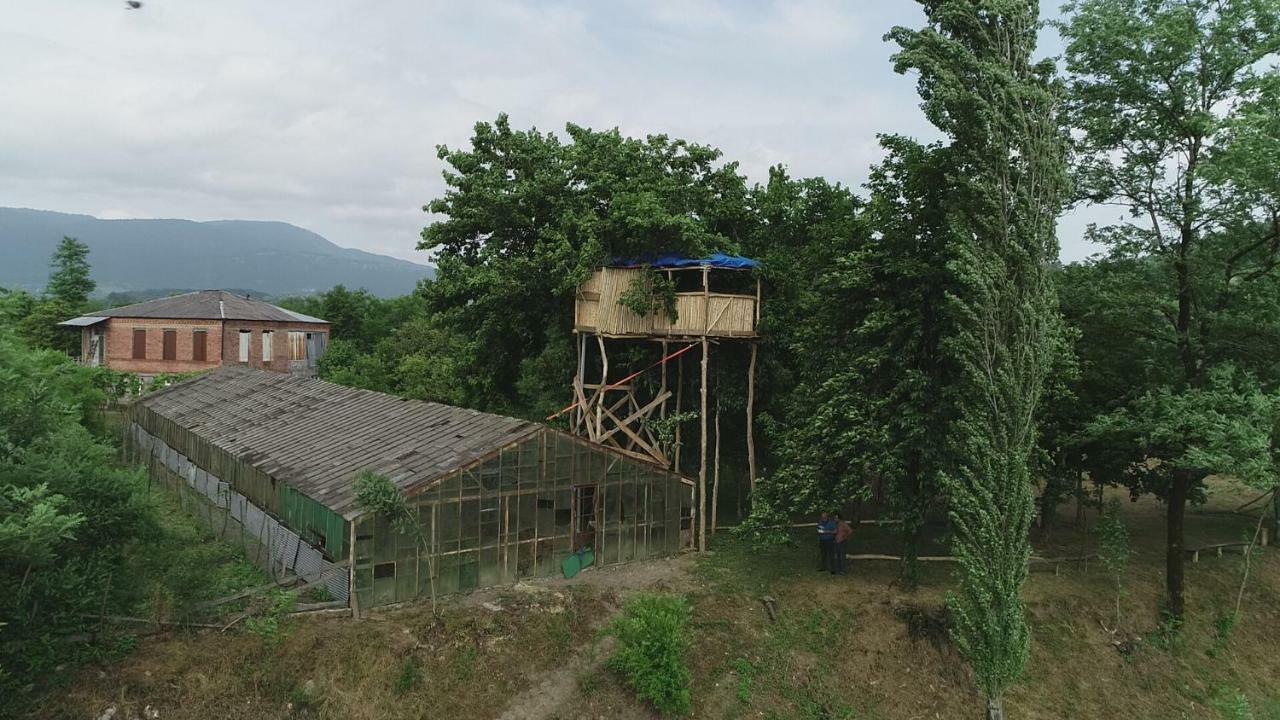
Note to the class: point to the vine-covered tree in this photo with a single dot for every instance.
(981, 86)
(1173, 101)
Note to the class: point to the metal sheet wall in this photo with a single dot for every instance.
(234, 518)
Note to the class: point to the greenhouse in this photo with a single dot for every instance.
(271, 461)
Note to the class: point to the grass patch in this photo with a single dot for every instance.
(181, 564)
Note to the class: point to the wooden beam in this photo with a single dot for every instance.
(584, 419)
(715, 475)
(579, 378)
(638, 414)
(663, 413)
(351, 577)
(679, 404)
(751, 405)
(657, 454)
(702, 415)
(702, 455)
(604, 381)
(757, 300)
(620, 388)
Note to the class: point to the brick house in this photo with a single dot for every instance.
(198, 331)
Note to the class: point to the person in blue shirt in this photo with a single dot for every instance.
(826, 543)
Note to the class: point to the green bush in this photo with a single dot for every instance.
(67, 514)
(651, 647)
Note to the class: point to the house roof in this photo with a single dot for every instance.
(317, 436)
(206, 305)
(83, 321)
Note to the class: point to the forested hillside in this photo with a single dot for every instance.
(130, 255)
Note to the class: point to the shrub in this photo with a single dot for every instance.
(652, 643)
(270, 625)
(1115, 549)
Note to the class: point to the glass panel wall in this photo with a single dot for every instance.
(520, 513)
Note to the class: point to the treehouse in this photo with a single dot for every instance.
(668, 300)
(659, 300)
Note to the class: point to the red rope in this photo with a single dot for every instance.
(627, 379)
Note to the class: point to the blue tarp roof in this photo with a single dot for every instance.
(717, 260)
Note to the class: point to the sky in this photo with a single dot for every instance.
(327, 114)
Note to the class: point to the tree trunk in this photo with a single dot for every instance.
(751, 408)
(1080, 500)
(1275, 515)
(1176, 543)
(995, 708)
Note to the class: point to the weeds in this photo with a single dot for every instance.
(270, 626)
(588, 682)
(464, 663)
(652, 641)
(1232, 705)
(745, 671)
(408, 677)
(1224, 627)
(1168, 635)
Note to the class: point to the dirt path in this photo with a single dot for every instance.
(554, 692)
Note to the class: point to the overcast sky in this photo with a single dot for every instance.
(327, 114)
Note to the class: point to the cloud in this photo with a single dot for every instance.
(328, 115)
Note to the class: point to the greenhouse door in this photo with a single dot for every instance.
(586, 531)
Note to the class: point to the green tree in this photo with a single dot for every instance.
(981, 86)
(864, 389)
(1174, 111)
(904, 369)
(805, 230)
(69, 280)
(524, 218)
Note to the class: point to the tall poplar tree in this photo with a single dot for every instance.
(981, 85)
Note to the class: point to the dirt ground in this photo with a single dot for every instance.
(859, 646)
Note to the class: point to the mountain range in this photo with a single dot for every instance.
(272, 258)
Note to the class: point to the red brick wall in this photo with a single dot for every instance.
(120, 345)
(222, 346)
(279, 342)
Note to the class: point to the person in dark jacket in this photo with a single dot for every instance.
(826, 542)
(843, 531)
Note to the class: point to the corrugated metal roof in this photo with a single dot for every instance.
(83, 321)
(207, 305)
(317, 436)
